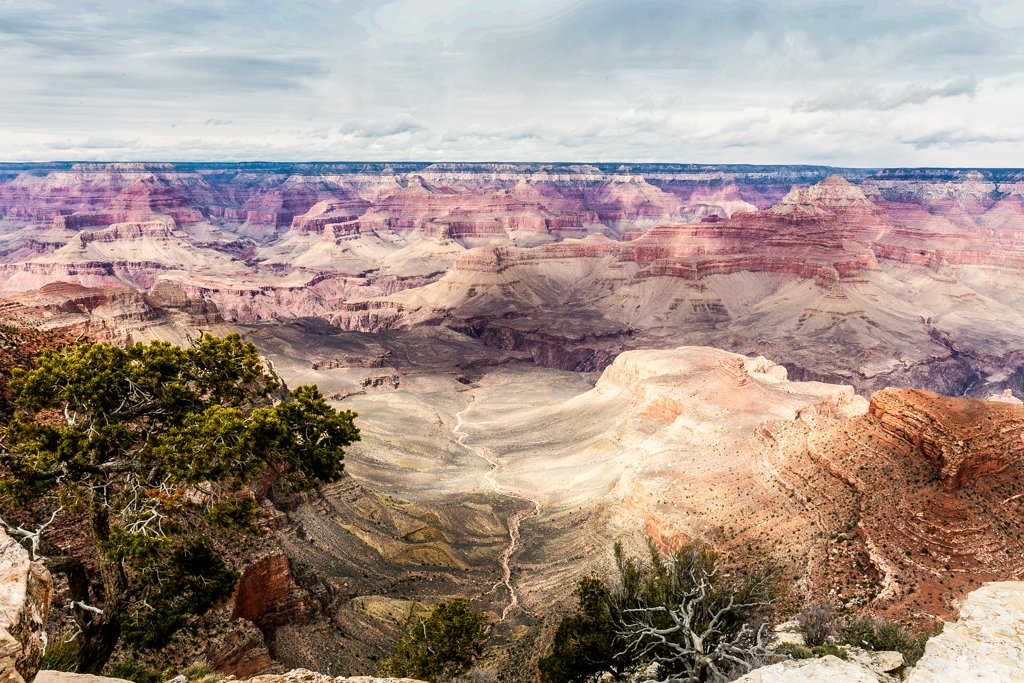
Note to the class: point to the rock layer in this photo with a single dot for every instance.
(873, 278)
(963, 437)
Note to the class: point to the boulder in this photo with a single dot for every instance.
(985, 644)
(827, 669)
(307, 676)
(883, 662)
(788, 633)
(25, 592)
(46, 676)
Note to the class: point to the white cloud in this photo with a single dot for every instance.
(845, 82)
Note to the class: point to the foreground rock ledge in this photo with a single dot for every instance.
(827, 669)
(306, 676)
(293, 676)
(985, 644)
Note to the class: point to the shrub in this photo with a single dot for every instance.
(156, 447)
(682, 613)
(61, 656)
(817, 623)
(880, 634)
(201, 672)
(440, 647)
(584, 642)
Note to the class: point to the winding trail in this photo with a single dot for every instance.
(515, 521)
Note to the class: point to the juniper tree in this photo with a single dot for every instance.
(155, 448)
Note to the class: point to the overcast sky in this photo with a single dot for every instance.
(858, 82)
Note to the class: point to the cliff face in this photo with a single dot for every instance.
(985, 643)
(964, 438)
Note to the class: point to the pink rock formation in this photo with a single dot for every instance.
(907, 277)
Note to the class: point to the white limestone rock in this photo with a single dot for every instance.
(985, 644)
(827, 669)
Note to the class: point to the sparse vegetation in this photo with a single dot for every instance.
(201, 672)
(817, 623)
(61, 656)
(684, 614)
(877, 633)
(132, 670)
(153, 448)
(440, 647)
(794, 651)
(585, 641)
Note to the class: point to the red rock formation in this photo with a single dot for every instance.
(267, 596)
(964, 438)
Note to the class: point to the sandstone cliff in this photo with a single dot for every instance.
(964, 438)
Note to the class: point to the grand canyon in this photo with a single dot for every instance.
(818, 366)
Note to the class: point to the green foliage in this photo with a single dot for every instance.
(158, 446)
(197, 670)
(234, 513)
(635, 622)
(880, 634)
(584, 644)
(132, 670)
(193, 578)
(440, 647)
(794, 651)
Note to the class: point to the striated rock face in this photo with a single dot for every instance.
(874, 278)
(986, 642)
(25, 591)
(267, 596)
(115, 313)
(964, 438)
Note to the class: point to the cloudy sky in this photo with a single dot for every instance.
(851, 82)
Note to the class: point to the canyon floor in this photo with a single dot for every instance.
(484, 475)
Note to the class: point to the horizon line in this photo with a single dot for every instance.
(412, 162)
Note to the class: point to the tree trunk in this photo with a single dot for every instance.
(98, 643)
(100, 637)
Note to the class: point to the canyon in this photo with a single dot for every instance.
(818, 368)
(867, 277)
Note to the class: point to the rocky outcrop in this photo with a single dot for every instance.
(964, 438)
(47, 676)
(986, 642)
(306, 676)
(267, 595)
(25, 591)
(827, 669)
(115, 313)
